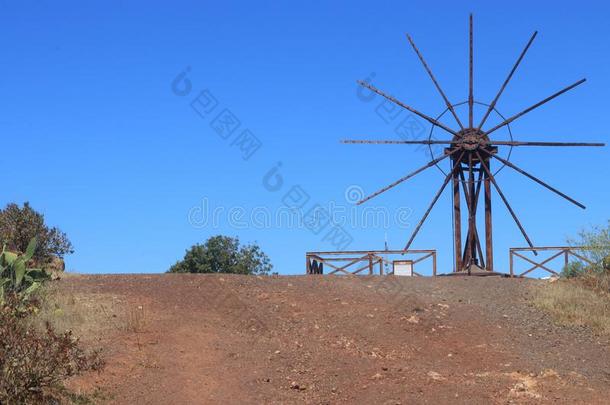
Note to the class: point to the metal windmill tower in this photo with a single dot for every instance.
(471, 151)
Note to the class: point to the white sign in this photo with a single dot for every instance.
(403, 267)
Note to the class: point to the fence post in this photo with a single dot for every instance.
(566, 258)
(370, 264)
(434, 263)
(510, 256)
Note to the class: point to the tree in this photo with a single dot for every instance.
(19, 225)
(223, 254)
(597, 241)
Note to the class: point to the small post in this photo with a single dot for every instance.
(307, 270)
(434, 263)
(510, 256)
(370, 264)
(566, 257)
(381, 266)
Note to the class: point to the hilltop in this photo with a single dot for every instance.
(180, 338)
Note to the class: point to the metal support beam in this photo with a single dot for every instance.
(489, 262)
(457, 219)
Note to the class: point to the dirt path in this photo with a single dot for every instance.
(232, 339)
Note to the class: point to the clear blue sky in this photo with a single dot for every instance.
(95, 138)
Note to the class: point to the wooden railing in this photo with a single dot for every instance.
(563, 252)
(369, 262)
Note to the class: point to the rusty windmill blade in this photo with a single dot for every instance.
(536, 143)
(471, 79)
(436, 197)
(407, 177)
(501, 194)
(438, 87)
(403, 105)
(490, 142)
(538, 104)
(537, 180)
(394, 142)
(510, 75)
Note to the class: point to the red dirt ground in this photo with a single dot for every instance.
(210, 339)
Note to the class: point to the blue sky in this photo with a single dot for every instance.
(97, 139)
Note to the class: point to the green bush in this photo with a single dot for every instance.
(595, 275)
(18, 225)
(597, 241)
(223, 254)
(573, 269)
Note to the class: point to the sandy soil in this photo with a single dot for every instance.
(206, 339)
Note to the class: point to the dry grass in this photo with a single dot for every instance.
(89, 316)
(95, 319)
(571, 303)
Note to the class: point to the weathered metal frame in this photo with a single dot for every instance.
(562, 251)
(477, 151)
(341, 261)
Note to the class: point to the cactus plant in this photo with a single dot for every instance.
(16, 276)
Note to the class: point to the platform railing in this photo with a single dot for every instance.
(370, 262)
(547, 264)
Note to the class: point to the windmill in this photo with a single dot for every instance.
(471, 150)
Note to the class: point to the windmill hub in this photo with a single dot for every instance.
(471, 139)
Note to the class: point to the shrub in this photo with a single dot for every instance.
(34, 363)
(223, 254)
(18, 225)
(597, 239)
(573, 269)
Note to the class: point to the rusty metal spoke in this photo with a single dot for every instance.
(537, 180)
(394, 142)
(471, 79)
(403, 105)
(408, 176)
(446, 142)
(438, 87)
(436, 197)
(514, 117)
(501, 194)
(536, 143)
(510, 75)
